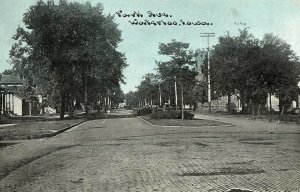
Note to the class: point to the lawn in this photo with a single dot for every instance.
(188, 122)
(30, 130)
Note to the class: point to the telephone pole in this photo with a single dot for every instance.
(159, 95)
(208, 35)
(175, 89)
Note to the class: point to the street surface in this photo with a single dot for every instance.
(127, 154)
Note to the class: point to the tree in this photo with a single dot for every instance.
(148, 90)
(254, 69)
(132, 100)
(167, 90)
(178, 68)
(71, 43)
(231, 64)
(281, 70)
(117, 97)
(200, 93)
(7, 72)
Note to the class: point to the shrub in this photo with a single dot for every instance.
(171, 115)
(144, 111)
(233, 107)
(187, 115)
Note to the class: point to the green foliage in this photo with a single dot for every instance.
(7, 72)
(171, 115)
(149, 88)
(178, 68)
(118, 95)
(67, 46)
(254, 68)
(132, 100)
(200, 92)
(144, 111)
(232, 108)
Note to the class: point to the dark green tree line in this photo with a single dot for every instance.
(254, 69)
(68, 47)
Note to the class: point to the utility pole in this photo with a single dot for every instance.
(208, 35)
(182, 106)
(159, 95)
(175, 88)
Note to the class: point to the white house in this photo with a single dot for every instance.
(11, 102)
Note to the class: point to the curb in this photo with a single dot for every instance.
(153, 125)
(58, 131)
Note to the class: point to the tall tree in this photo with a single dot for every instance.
(242, 64)
(280, 68)
(148, 90)
(230, 65)
(132, 100)
(179, 67)
(73, 43)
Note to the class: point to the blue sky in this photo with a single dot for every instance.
(140, 43)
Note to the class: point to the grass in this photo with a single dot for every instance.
(30, 130)
(179, 122)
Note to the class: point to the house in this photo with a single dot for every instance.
(11, 99)
(12, 82)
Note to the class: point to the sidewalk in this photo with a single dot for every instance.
(244, 124)
(33, 127)
(269, 118)
(286, 118)
(34, 130)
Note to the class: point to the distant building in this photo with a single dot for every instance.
(122, 105)
(12, 102)
(12, 83)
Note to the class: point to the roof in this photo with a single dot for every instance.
(11, 79)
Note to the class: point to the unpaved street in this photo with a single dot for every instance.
(127, 154)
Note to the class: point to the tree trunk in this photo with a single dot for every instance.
(243, 103)
(195, 106)
(270, 102)
(182, 114)
(71, 107)
(85, 95)
(108, 103)
(160, 104)
(62, 106)
(176, 101)
(228, 102)
(282, 110)
(259, 110)
(281, 104)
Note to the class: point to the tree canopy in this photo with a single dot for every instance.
(68, 46)
(253, 69)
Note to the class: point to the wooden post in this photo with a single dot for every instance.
(182, 114)
(175, 88)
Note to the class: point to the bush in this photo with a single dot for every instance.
(144, 111)
(233, 107)
(294, 111)
(171, 115)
